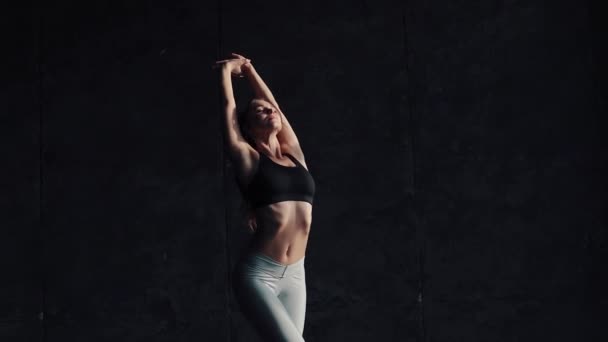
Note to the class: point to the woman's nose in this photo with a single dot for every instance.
(268, 110)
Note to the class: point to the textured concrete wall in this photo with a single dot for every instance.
(20, 241)
(508, 170)
(457, 149)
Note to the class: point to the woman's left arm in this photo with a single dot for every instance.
(286, 136)
(260, 89)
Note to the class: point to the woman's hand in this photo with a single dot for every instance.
(245, 67)
(236, 65)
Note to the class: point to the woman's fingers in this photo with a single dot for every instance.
(217, 64)
(244, 60)
(240, 61)
(241, 57)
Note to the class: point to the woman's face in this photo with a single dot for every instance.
(264, 116)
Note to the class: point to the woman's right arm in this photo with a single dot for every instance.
(240, 151)
(226, 83)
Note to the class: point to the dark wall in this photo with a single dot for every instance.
(509, 171)
(457, 148)
(21, 297)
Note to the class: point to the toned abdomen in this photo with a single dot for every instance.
(283, 230)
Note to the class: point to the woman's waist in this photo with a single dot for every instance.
(283, 218)
(281, 236)
(282, 250)
(261, 264)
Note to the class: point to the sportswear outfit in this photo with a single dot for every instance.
(272, 295)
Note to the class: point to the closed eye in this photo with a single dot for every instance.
(264, 110)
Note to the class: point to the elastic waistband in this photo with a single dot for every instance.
(268, 264)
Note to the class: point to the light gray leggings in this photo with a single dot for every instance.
(272, 296)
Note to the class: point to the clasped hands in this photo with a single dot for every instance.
(236, 65)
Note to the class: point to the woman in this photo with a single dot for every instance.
(269, 278)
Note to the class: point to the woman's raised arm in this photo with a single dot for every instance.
(240, 150)
(287, 137)
(226, 85)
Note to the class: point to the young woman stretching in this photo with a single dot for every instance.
(269, 278)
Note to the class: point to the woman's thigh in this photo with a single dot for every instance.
(257, 295)
(293, 296)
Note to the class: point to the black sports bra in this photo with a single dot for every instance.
(274, 182)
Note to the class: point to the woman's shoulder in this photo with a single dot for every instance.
(296, 152)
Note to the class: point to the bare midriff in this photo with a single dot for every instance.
(282, 230)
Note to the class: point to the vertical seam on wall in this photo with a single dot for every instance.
(40, 234)
(595, 71)
(418, 227)
(222, 172)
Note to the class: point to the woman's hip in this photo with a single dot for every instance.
(255, 267)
